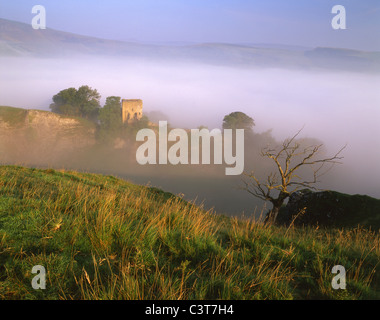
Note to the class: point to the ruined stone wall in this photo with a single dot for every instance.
(131, 110)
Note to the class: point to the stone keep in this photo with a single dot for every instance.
(131, 110)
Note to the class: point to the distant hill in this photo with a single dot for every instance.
(20, 39)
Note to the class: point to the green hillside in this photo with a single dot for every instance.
(103, 238)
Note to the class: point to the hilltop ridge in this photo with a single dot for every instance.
(21, 40)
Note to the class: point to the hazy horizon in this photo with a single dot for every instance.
(275, 21)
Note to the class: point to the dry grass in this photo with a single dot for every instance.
(104, 238)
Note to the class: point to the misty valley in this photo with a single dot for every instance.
(327, 105)
(200, 147)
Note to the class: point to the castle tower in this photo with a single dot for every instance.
(131, 110)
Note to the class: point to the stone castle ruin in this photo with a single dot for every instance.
(131, 110)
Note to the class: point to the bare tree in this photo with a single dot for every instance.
(288, 158)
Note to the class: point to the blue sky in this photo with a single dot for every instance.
(306, 23)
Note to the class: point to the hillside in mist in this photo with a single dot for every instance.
(37, 137)
(20, 39)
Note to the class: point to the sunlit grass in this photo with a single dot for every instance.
(103, 238)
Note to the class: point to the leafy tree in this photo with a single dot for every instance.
(238, 120)
(83, 102)
(110, 118)
(289, 159)
(64, 101)
(110, 115)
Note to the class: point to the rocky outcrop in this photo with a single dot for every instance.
(41, 137)
(331, 209)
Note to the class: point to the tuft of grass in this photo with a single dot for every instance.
(103, 238)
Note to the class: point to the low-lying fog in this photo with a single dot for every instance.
(337, 108)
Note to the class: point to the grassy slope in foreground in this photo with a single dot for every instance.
(103, 238)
